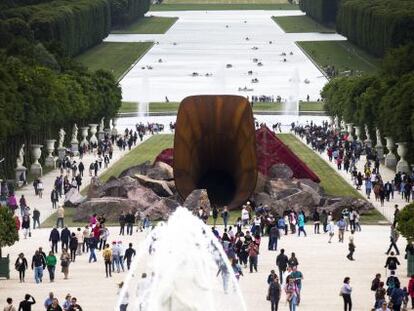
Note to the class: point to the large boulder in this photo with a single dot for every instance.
(73, 198)
(161, 171)
(95, 188)
(260, 183)
(280, 170)
(336, 205)
(315, 186)
(274, 186)
(160, 187)
(262, 198)
(141, 169)
(118, 187)
(196, 199)
(301, 200)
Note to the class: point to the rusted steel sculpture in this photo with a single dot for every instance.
(215, 148)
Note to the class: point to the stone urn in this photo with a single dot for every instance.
(84, 133)
(379, 147)
(358, 133)
(93, 140)
(50, 147)
(402, 165)
(390, 158)
(114, 131)
(349, 127)
(36, 167)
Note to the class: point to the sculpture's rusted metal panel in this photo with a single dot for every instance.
(215, 148)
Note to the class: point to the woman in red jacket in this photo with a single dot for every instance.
(411, 290)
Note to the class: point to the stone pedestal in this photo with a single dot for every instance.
(380, 152)
(402, 165)
(114, 131)
(390, 158)
(50, 147)
(93, 140)
(358, 133)
(101, 135)
(84, 133)
(74, 148)
(36, 167)
(19, 171)
(61, 153)
(349, 127)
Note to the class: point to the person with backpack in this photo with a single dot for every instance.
(392, 282)
(397, 297)
(392, 262)
(380, 295)
(375, 283)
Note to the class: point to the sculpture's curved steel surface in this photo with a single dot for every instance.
(215, 148)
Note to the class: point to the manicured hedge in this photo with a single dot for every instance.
(324, 11)
(377, 25)
(76, 25)
(125, 12)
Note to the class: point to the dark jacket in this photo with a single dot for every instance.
(65, 235)
(54, 235)
(129, 252)
(282, 261)
(38, 261)
(274, 291)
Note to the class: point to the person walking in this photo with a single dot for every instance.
(36, 218)
(392, 262)
(54, 306)
(65, 238)
(74, 306)
(129, 253)
(26, 304)
(397, 297)
(253, 251)
(282, 263)
(274, 235)
(54, 198)
(73, 246)
(129, 219)
(293, 261)
(345, 292)
(380, 295)
(93, 245)
(291, 290)
(273, 293)
(394, 235)
(116, 253)
(410, 288)
(214, 214)
(351, 248)
(51, 265)
(64, 263)
(60, 216)
(316, 222)
(38, 265)
(107, 255)
(225, 216)
(331, 230)
(21, 266)
(49, 300)
(121, 220)
(341, 229)
(54, 238)
(26, 226)
(301, 223)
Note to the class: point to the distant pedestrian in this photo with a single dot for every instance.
(9, 306)
(60, 217)
(273, 293)
(38, 265)
(36, 218)
(21, 266)
(129, 253)
(282, 263)
(351, 248)
(392, 262)
(107, 256)
(225, 216)
(64, 263)
(394, 235)
(345, 292)
(51, 262)
(54, 198)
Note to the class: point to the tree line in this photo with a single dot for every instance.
(75, 25)
(384, 100)
(374, 25)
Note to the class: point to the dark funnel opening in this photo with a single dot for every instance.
(220, 185)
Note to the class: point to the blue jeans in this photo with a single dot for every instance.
(272, 244)
(292, 304)
(38, 274)
(115, 262)
(92, 255)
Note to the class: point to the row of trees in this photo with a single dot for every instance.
(42, 90)
(323, 11)
(76, 25)
(377, 25)
(385, 100)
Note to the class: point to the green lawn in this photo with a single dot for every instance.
(172, 107)
(341, 54)
(300, 24)
(198, 5)
(147, 151)
(331, 181)
(151, 24)
(116, 57)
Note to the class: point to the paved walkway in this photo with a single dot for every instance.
(44, 204)
(387, 175)
(324, 266)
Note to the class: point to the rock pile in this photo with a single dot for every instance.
(150, 190)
